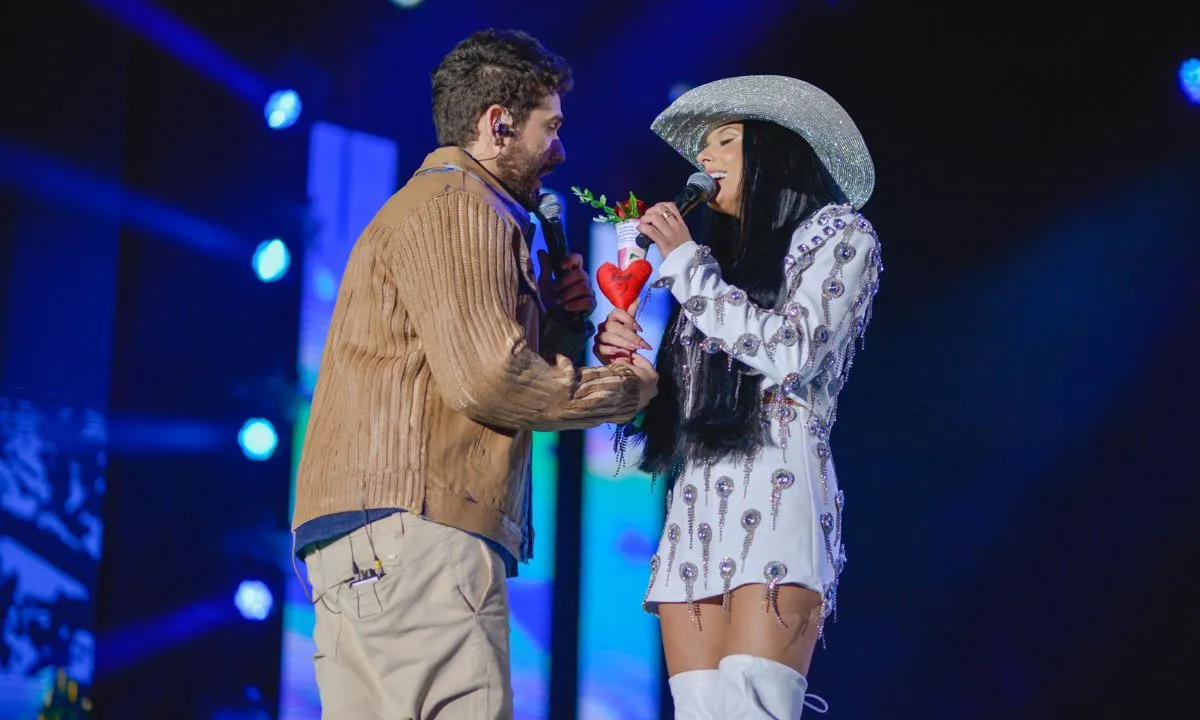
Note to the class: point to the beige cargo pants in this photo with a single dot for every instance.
(428, 641)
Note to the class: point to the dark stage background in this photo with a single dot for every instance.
(1016, 441)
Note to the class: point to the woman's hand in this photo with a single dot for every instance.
(617, 337)
(665, 226)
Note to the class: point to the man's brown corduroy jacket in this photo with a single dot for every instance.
(432, 378)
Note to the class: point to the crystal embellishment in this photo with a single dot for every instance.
(774, 573)
(781, 480)
(724, 490)
(726, 568)
(673, 534)
(654, 564)
(690, 495)
(688, 573)
(751, 519)
(705, 534)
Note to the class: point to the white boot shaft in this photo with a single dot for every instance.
(755, 688)
(696, 694)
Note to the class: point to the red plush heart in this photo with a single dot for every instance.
(621, 287)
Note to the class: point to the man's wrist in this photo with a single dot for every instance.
(561, 337)
(575, 323)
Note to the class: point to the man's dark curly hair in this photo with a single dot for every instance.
(493, 67)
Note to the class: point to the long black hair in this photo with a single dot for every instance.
(783, 182)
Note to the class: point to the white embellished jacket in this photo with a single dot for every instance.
(804, 347)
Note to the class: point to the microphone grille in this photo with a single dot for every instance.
(704, 183)
(550, 207)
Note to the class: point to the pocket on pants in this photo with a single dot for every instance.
(326, 610)
(477, 569)
(409, 548)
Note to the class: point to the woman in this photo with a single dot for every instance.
(750, 368)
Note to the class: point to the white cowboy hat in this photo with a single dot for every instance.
(794, 104)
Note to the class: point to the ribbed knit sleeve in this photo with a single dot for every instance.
(457, 277)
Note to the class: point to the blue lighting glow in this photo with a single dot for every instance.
(1189, 79)
(177, 38)
(253, 600)
(282, 109)
(51, 178)
(677, 90)
(271, 260)
(258, 439)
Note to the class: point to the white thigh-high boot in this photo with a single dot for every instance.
(755, 688)
(696, 695)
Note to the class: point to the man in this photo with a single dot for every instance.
(413, 499)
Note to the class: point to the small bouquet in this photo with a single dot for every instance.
(630, 209)
(620, 283)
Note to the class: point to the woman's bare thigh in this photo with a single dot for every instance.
(754, 630)
(688, 646)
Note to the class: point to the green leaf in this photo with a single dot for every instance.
(633, 211)
(603, 200)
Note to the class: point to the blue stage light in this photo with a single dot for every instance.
(258, 439)
(253, 600)
(1189, 79)
(271, 260)
(282, 109)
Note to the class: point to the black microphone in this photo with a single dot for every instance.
(700, 189)
(549, 213)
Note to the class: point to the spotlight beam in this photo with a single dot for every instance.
(49, 178)
(44, 176)
(131, 645)
(191, 47)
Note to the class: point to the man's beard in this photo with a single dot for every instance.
(521, 171)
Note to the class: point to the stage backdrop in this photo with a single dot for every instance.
(52, 470)
(350, 176)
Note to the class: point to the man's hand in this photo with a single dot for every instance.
(647, 379)
(572, 293)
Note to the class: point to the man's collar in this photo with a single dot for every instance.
(456, 156)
